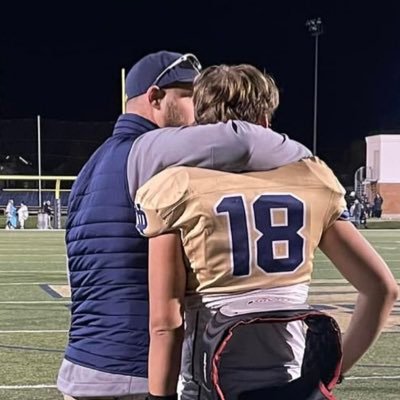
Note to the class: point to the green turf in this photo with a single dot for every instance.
(30, 258)
(29, 366)
(32, 277)
(34, 316)
(382, 358)
(23, 293)
(369, 389)
(31, 394)
(373, 223)
(30, 223)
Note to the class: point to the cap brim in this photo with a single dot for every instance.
(178, 75)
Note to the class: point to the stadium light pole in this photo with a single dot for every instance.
(315, 28)
(123, 92)
(39, 158)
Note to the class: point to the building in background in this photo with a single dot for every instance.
(381, 173)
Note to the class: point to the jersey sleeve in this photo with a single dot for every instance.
(159, 203)
(337, 209)
(213, 146)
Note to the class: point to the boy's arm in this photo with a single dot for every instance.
(362, 266)
(167, 282)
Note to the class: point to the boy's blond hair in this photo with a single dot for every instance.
(239, 92)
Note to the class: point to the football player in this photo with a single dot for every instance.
(249, 237)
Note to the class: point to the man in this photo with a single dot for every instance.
(23, 215)
(356, 211)
(107, 258)
(11, 215)
(248, 237)
(107, 350)
(48, 212)
(377, 207)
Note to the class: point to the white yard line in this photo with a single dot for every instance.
(38, 331)
(361, 378)
(333, 281)
(32, 255)
(18, 245)
(334, 269)
(17, 387)
(31, 283)
(33, 271)
(379, 230)
(44, 386)
(36, 302)
(21, 262)
(31, 230)
(328, 261)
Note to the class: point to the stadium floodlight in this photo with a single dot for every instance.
(315, 28)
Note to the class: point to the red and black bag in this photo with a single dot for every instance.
(226, 335)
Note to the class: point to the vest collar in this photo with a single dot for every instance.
(133, 124)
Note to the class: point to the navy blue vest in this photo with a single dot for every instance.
(107, 261)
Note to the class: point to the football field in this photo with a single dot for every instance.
(34, 317)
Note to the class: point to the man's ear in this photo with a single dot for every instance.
(155, 95)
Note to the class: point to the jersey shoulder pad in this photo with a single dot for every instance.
(337, 209)
(324, 174)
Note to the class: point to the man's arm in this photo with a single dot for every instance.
(269, 149)
(233, 146)
(167, 283)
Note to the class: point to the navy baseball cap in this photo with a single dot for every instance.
(162, 69)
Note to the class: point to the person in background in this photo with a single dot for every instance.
(356, 211)
(350, 198)
(367, 206)
(11, 215)
(48, 211)
(23, 215)
(377, 207)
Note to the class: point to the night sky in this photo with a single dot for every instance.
(64, 62)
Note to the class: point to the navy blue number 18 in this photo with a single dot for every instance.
(278, 220)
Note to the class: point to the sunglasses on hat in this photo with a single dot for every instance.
(188, 60)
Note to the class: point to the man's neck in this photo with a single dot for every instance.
(139, 107)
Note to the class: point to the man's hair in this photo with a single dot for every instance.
(239, 92)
